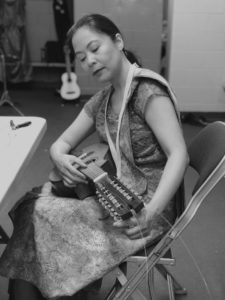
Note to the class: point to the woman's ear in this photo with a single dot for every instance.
(119, 41)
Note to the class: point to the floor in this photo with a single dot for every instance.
(200, 253)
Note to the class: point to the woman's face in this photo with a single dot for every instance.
(98, 53)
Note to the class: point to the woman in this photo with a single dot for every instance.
(136, 116)
(99, 46)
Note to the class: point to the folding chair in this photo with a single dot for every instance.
(207, 157)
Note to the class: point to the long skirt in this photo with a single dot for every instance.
(62, 245)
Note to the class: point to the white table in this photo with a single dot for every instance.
(16, 149)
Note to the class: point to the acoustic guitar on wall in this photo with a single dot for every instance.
(69, 90)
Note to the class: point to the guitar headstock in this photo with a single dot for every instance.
(117, 199)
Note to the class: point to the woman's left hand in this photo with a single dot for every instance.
(136, 227)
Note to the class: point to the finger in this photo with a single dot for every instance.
(78, 161)
(121, 224)
(81, 177)
(136, 231)
(76, 179)
(73, 174)
(70, 180)
(68, 177)
(133, 230)
(133, 222)
(69, 183)
(129, 223)
(138, 235)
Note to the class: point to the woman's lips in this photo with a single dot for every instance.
(97, 71)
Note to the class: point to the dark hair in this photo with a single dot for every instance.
(100, 24)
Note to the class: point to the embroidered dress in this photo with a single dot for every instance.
(61, 244)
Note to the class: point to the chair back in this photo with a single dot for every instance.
(206, 150)
(207, 157)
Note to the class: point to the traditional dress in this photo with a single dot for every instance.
(62, 244)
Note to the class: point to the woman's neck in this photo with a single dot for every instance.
(120, 79)
(119, 87)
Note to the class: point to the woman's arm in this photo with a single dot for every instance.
(162, 119)
(65, 163)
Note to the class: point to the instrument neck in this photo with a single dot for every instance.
(93, 172)
(68, 67)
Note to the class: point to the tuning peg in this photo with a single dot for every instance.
(100, 200)
(117, 218)
(112, 214)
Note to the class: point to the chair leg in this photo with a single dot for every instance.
(111, 294)
(170, 287)
(151, 285)
(174, 284)
(174, 287)
(121, 279)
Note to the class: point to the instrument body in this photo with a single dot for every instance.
(69, 89)
(120, 201)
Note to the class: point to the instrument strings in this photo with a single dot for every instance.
(93, 171)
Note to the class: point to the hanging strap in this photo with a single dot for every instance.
(115, 149)
(134, 71)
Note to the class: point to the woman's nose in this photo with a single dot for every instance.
(90, 59)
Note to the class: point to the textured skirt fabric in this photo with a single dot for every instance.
(62, 244)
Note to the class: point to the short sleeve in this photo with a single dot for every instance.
(92, 105)
(146, 90)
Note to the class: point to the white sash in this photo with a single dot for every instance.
(134, 71)
(115, 149)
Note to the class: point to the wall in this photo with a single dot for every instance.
(140, 22)
(40, 26)
(197, 54)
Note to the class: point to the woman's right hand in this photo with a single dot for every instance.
(67, 165)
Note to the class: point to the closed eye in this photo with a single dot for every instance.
(94, 46)
(94, 49)
(81, 58)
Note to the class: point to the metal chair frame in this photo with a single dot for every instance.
(124, 287)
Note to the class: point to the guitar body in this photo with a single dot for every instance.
(120, 201)
(69, 89)
(97, 152)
